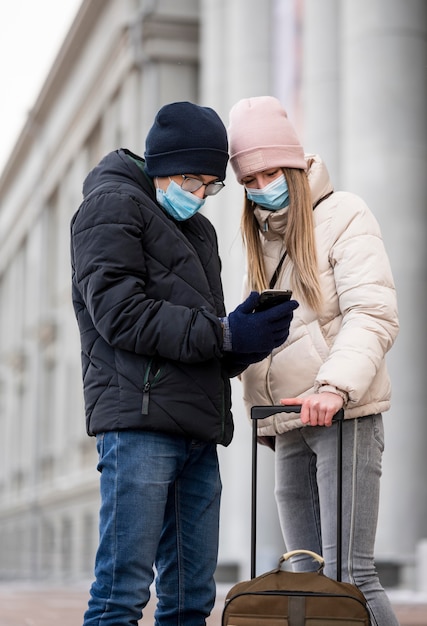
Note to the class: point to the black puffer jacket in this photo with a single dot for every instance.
(147, 294)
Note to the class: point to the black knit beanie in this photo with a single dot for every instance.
(186, 139)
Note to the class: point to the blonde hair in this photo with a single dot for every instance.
(298, 239)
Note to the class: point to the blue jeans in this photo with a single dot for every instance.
(160, 499)
(306, 499)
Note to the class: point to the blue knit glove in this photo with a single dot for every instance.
(260, 331)
(244, 359)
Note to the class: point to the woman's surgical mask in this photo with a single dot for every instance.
(273, 196)
(180, 204)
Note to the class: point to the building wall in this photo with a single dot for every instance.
(367, 67)
(97, 98)
(340, 68)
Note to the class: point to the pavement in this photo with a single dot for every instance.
(33, 604)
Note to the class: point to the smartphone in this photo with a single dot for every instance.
(271, 297)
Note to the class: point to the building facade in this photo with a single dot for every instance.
(352, 76)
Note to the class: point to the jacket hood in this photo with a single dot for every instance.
(318, 178)
(116, 168)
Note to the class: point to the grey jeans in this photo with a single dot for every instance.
(306, 499)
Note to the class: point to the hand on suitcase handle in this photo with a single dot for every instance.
(317, 409)
(262, 411)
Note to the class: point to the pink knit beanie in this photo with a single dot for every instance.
(262, 137)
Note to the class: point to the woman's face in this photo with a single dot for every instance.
(259, 180)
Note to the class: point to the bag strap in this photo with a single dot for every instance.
(275, 276)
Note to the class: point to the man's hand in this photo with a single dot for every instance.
(260, 331)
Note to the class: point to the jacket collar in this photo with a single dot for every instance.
(273, 223)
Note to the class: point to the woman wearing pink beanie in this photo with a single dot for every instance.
(327, 247)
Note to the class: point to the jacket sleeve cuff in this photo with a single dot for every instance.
(226, 332)
(332, 389)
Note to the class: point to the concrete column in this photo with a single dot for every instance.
(384, 103)
(235, 53)
(321, 118)
(365, 104)
(421, 576)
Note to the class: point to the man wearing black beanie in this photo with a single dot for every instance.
(157, 353)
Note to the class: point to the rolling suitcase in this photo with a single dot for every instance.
(283, 598)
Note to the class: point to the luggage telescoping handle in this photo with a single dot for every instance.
(261, 412)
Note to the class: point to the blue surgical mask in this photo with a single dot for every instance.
(180, 204)
(273, 196)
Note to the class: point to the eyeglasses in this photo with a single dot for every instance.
(194, 184)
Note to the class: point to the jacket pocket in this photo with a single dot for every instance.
(151, 376)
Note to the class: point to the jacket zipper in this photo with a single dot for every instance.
(147, 387)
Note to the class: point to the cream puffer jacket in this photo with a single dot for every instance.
(342, 350)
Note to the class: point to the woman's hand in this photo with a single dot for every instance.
(318, 409)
